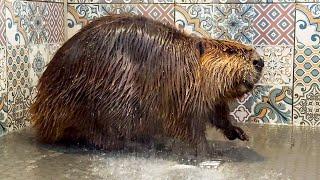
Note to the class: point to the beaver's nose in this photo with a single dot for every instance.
(258, 64)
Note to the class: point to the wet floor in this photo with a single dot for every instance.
(273, 152)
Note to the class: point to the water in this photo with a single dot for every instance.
(273, 152)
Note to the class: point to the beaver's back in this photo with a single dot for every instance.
(119, 73)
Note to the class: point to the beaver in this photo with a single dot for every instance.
(124, 77)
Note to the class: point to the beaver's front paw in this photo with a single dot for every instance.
(236, 132)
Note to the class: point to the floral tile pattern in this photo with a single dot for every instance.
(229, 21)
(273, 24)
(306, 109)
(15, 35)
(234, 22)
(34, 22)
(38, 56)
(308, 24)
(265, 104)
(278, 65)
(195, 19)
(81, 14)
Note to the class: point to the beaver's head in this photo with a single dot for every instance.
(230, 69)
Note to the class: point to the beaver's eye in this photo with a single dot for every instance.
(230, 50)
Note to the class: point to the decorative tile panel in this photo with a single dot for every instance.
(233, 22)
(195, 19)
(34, 22)
(18, 108)
(123, 1)
(273, 24)
(163, 12)
(229, 21)
(81, 14)
(278, 65)
(18, 68)
(306, 109)
(265, 104)
(3, 71)
(308, 24)
(52, 49)
(15, 34)
(38, 60)
(39, 56)
(18, 82)
(307, 65)
(2, 24)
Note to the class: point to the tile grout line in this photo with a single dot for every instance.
(65, 19)
(293, 61)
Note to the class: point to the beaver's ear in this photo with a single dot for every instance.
(200, 47)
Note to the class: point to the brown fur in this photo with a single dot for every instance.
(123, 77)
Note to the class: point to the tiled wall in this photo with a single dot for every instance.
(30, 33)
(286, 32)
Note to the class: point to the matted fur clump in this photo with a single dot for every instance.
(124, 77)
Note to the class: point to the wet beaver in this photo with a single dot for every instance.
(123, 77)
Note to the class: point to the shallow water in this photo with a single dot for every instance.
(273, 152)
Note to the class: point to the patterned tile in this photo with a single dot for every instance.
(306, 109)
(307, 65)
(3, 91)
(81, 14)
(273, 24)
(233, 22)
(52, 49)
(38, 57)
(122, 1)
(163, 12)
(18, 83)
(54, 1)
(15, 35)
(228, 21)
(196, 19)
(233, 1)
(35, 22)
(308, 24)
(278, 65)
(55, 21)
(18, 68)
(2, 24)
(265, 104)
(3, 71)
(18, 108)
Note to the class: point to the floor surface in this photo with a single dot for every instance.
(273, 152)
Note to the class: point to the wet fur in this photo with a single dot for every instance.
(123, 77)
